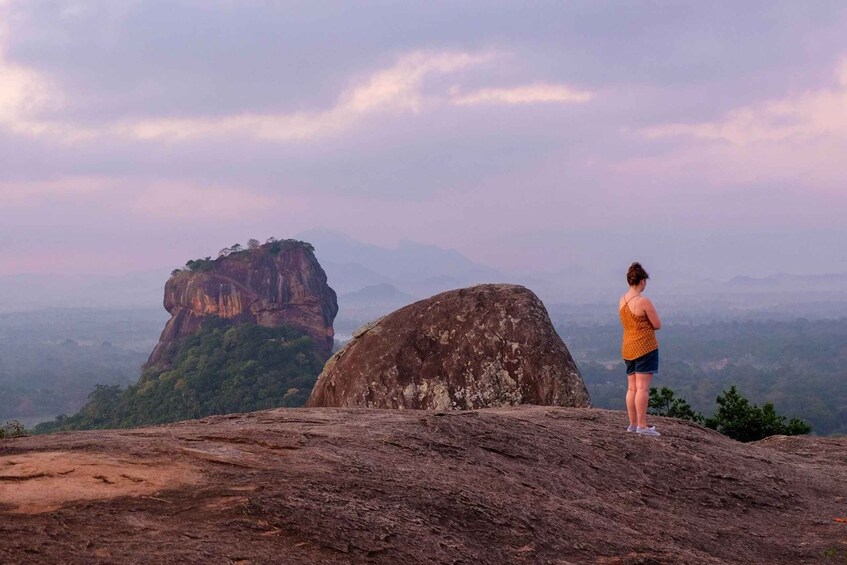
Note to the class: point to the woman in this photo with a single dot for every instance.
(640, 349)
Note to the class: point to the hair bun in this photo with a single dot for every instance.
(635, 274)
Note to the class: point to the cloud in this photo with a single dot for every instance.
(530, 94)
(175, 201)
(392, 90)
(23, 92)
(27, 193)
(796, 142)
(396, 89)
(795, 118)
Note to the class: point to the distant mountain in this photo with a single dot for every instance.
(786, 282)
(345, 278)
(378, 293)
(752, 282)
(412, 267)
(366, 304)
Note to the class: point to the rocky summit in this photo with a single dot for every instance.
(523, 484)
(279, 283)
(483, 346)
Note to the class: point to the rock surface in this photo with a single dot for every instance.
(501, 485)
(478, 347)
(259, 286)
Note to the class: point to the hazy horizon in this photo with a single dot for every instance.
(552, 268)
(700, 138)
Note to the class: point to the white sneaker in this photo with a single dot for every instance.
(650, 431)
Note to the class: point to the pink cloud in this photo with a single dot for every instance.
(799, 139)
(395, 89)
(539, 93)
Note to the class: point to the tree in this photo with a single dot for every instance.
(737, 418)
(12, 428)
(198, 265)
(236, 248)
(253, 244)
(665, 403)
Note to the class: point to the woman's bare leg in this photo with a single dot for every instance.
(630, 400)
(642, 397)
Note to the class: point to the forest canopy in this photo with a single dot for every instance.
(222, 369)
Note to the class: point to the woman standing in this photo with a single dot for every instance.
(640, 348)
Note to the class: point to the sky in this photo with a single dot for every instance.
(698, 137)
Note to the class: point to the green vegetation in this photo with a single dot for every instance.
(665, 403)
(798, 366)
(278, 245)
(222, 369)
(735, 417)
(740, 420)
(12, 428)
(273, 246)
(51, 359)
(202, 265)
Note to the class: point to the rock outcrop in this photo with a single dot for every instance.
(483, 346)
(276, 284)
(503, 485)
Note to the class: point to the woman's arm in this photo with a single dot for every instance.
(651, 313)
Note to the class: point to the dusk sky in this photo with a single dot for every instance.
(705, 137)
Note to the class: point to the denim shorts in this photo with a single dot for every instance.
(647, 363)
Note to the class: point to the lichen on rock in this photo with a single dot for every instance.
(483, 346)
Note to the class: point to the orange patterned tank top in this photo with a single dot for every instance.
(639, 337)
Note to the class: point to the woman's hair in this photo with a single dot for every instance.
(635, 274)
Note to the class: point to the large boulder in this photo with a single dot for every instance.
(279, 283)
(484, 346)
